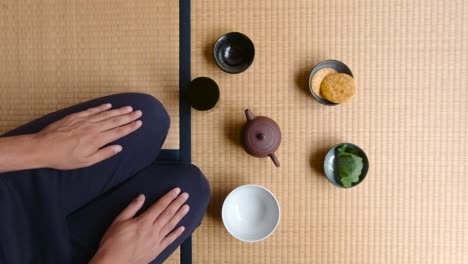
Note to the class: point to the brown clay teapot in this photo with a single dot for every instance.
(261, 136)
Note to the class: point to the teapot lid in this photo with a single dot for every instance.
(261, 136)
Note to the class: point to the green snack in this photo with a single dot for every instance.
(349, 165)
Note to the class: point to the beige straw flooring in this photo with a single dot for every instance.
(55, 54)
(410, 62)
(410, 116)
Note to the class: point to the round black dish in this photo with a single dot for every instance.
(234, 52)
(203, 93)
(334, 64)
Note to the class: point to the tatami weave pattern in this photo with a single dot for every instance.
(57, 53)
(410, 62)
(410, 116)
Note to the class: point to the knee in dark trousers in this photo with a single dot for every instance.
(152, 134)
(89, 223)
(191, 180)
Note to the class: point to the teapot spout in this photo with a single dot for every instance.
(250, 116)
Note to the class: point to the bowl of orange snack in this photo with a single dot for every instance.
(331, 82)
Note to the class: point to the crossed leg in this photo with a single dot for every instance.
(83, 202)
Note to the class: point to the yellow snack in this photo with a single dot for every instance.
(318, 78)
(338, 88)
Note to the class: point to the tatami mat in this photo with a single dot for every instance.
(410, 116)
(55, 54)
(409, 59)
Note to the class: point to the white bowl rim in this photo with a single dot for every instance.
(252, 240)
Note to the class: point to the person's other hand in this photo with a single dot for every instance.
(141, 239)
(78, 140)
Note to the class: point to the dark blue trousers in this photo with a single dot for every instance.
(53, 216)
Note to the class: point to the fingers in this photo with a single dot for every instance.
(118, 132)
(175, 220)
(131, 209)
(103, 154)
(171, 210)
(94, 110)
(172, 237)
(111, 113)
(157, 208)
(118, 121)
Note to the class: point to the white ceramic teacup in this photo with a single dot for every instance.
(251, 213)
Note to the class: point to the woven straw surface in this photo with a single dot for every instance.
(56, 53)
(410, 116)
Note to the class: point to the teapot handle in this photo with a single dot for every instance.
(250, 116)
(274, 159)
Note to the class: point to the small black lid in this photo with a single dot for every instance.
(203, 93)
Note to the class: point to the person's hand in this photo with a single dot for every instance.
(141, 239)
(78, 140)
